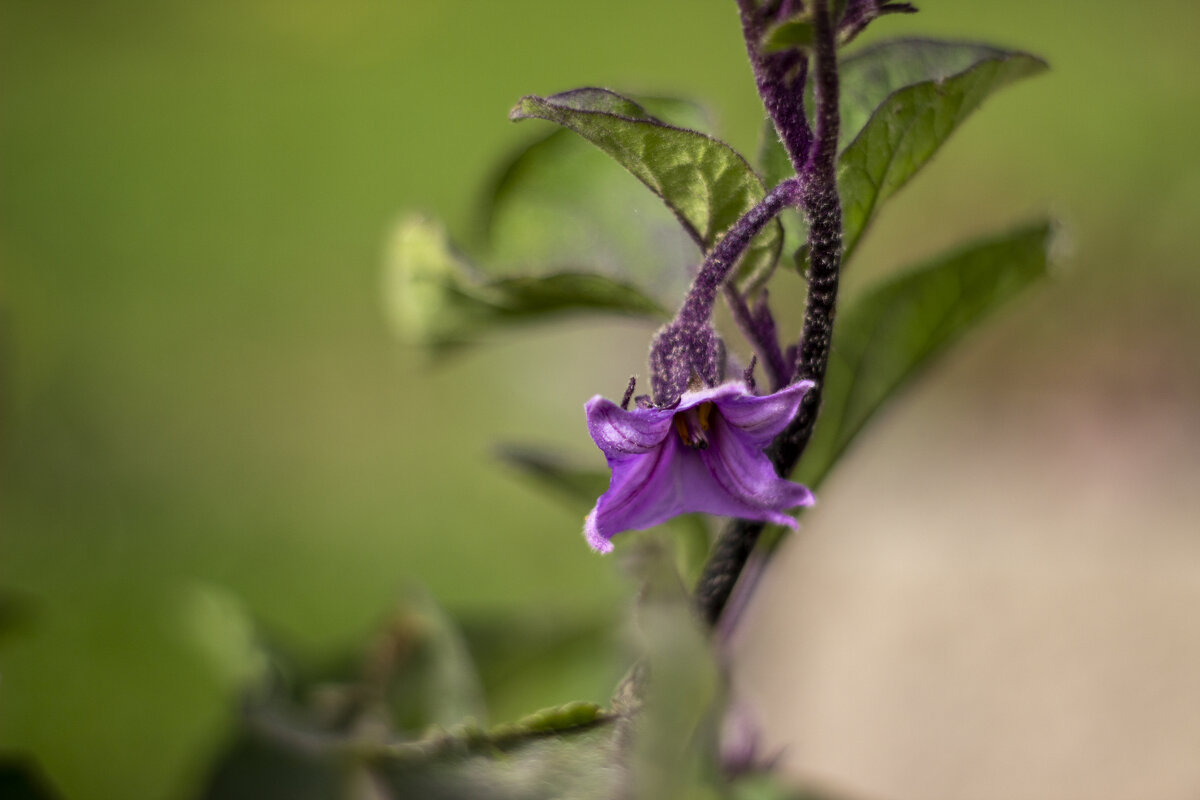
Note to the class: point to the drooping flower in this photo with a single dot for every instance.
(705, 454)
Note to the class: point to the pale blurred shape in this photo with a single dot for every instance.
(997, 599)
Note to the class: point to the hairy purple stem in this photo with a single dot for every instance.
(700, 298)
(759, 329)
(780, 79)
(687, 346)
(822, 206)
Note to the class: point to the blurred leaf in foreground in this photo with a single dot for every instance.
(676, 686)
(420, 669)
(21, 780)
(161, 665)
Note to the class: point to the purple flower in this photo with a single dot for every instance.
(703, 454)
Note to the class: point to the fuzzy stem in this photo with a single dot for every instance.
(759, 330)
(698, 305)
(687, 347)
(780, 79)
(822, 206)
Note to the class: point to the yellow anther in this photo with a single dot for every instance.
(682, 428)
(691, 425)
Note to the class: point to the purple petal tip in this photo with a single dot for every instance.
(596, 541)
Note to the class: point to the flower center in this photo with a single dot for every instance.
(691, 425)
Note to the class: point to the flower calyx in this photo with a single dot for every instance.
(685, 355)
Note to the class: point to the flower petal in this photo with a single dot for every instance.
(620, 433)
(645, 490)
(745, 482)
(655, 476)
(712, 394)
(761, 419)
(595, 539)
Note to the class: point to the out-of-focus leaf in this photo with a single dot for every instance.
(433, 299)
(908, 128)
(22, 780)
(163, 665)
(540, 659)
(766, 786)
(422, 666)
(775, 167)
(575, 750)
(332, 743)
(674, 734)
(415, 671)
(705, 182)
(253, 769)
(577, 485)
(526, 296)
(772, 158)
(16, 613)
(583, 764)
(693, 540)
(888, 336)
(563, 751)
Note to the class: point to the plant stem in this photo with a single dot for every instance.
(822, 206)
(687, 346)
(780, 79)
(759, 329)
(698, 305)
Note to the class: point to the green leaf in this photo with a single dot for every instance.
(866, 78)
(705, 182)
(797, 32)
(165, 666)
(558, 200)
(886, 338)
(775, 167)
(567, 751)
(870, 77)
(792, 33)
(16, 613)
(773, 162)
(535, 659)
(908, 128)
(421, 664)
(433, 298)
(583, 762)
(254, 769)
(579, 486)
(674, 734)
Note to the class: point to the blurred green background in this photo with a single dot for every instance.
(207, 427)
